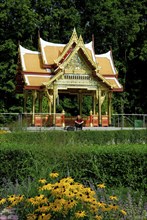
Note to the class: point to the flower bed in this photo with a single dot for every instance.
(64, 199)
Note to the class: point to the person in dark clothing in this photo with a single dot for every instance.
(79, 122)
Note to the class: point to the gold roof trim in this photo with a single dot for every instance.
(60, 73)
(104, 80)
(114, 82)
(81, 45)
(73, 39)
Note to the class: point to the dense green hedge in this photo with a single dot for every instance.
(118, 158)
(15, 165)
(73, 137)
(116, 168)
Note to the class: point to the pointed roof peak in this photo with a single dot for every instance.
(38, 34)
(81, 39)
(74, 36)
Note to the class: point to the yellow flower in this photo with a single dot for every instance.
(2, 201)
(31, 217)
(43, 209)
(42, 181)
(55, 207)
(3, 131)
(11, 198)
(113, 197)
(113, 207)
(14, 199)
(123, 212)
(69, 204)
(102, 185)
(66, 181)
(101, 204)
(98, 217)
(93, 208)
(44, 217)
(38, 200)
(46, 187)
(80, 214)
(54, 175)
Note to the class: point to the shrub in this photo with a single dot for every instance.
(15, 165)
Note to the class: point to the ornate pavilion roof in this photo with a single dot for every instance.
(42, 67)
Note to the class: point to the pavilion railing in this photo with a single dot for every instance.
(129, 120)
(22, 120)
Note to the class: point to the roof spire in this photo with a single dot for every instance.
(81, 39)
(38, 33)
(74, 35)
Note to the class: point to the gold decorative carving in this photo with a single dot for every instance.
(50, 97)
(103, 96)
(77, 65)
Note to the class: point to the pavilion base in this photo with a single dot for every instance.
(60, 121)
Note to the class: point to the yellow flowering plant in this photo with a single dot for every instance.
(4, 131)
(65, 199)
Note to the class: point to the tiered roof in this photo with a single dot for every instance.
(43, 67)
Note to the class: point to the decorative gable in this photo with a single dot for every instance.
(77, 64)
(68, 48)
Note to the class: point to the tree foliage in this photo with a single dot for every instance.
(118, 24)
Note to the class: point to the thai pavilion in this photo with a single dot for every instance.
(71, 68)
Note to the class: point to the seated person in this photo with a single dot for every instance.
(79, 122)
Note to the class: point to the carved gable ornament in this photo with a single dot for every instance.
(77, 65)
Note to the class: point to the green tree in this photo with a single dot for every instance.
(118, 24)
(57, 19)
(121, 26)
(18, 24)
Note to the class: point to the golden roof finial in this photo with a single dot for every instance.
(74, 36)
(38, 33)
(80, 40)
(110, 48)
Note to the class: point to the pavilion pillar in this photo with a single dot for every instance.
(40, 102)
(109, 107)
(94, 103)
(49, 107)
(54, 103)
(34, 97)
(25, 95)
(99, 107)
(50, 101)
(91, 124)
(80, 103)
(63, 118)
